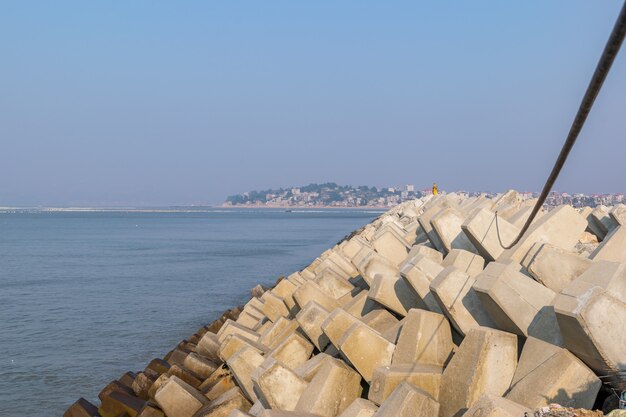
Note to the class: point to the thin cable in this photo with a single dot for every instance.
(595, 85)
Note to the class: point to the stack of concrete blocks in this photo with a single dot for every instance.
(419, 313)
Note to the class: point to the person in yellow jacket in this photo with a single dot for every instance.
(435, 189)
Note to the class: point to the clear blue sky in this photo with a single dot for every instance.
(147, 102)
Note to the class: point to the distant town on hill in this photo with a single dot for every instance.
(333, 195)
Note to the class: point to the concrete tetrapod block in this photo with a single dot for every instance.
(612, 247)
(434, 207)
(278, 386)
(238, 413)
(208, 346)
(232, 327)
(421, 249)
(235, 342)
(425, 338)
(279, 413)
(618, 214)
(82, 408)
(468, 262)
(360, 408)
(600, 216)
(343, 262)
(419, 272)
(361, 304)
(394, 293)
(554, 267)
(293, 351)
(337, 324)
(483, 364)
(278, 332)
(387, 378)
(408, 401)
(560, 227)
(333, 388)
(391, 246)
(332, 283)
(517, 303)
(310, 319)
(273, 306)
(452, 289)
(313, 292)
(179, 399)
(309, 369)
(199, 365)
(591, 315)
(494, 406)
(366, 349)
(353, 246)
(482, 232)
(380, 320)
(223, 405)
(376, 264)
(552, 375)
(285, 290)
(242, 364)
(447, 224)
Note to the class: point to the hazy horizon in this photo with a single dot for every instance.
(160, 104)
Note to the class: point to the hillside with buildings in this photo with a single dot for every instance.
(334, 195)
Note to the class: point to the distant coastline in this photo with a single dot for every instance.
(203, 209)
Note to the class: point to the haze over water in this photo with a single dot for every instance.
(85, 297)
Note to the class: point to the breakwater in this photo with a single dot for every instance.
(419, 313)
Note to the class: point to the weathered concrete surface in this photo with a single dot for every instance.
(560, 227)
(232, 327)
(336, 324)
(484, 364)
(554, 267)
(468, 262)
(424, 250)
(419, 272)
(490, 405)
(517, 303)
(293, 351)
(278, 332)
(333, 284)
(408, 401)
(366, 349)
(375, 264)
(333, 388)
(392, 246)
(313, 292)
(273, 306)
(482, 232)
(223, 405)
(613, 247)
(447, 224)
(425, 338)
(243, 364)
(434, 207)
(179, 399)
(592, 317)
(310, 319)
(380, 320)
(547, 374)
(360, 408)
(234, 342)
(277, 386)
(386, 378)
(452, 289)
(394, 293)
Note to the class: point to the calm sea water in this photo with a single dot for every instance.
(85, 297)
